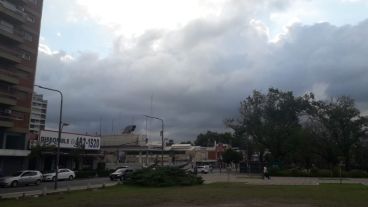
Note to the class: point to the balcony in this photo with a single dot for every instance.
(6, 121)
(10, 34)
(24, 68)
(11, 12)
(8, 77)
(7, 97)
(9, 54)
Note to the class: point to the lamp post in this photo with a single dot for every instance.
(59, 133)
(162, 137)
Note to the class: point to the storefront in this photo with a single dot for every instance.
(77, 151)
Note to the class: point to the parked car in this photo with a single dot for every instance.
(121, 174)
(122, 167)
(203, 169)
(64, 174)
(22, 178)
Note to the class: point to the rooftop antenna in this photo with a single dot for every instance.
(119, 123)
(151, 113)
(112, 126)
(100, 126)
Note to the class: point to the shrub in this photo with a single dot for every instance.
(163, 177)
(357, 174)
(322, 173)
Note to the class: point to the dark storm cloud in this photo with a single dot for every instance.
(198, 75)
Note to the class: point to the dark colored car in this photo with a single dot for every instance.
(121, 174)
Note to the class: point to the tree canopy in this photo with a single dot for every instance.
(299, 130)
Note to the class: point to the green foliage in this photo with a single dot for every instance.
(300, 132)
(322, 173)
(357, 174)
(232, 156)
(209, 139)
(341, 128)
(38, 149)
(271, 120)
(163, 177)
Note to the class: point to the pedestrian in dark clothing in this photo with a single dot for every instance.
(265, 173)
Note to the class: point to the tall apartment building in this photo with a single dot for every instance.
(38, 114)
(20, 22)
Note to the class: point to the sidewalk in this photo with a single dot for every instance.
(257, 179)
(45, 191)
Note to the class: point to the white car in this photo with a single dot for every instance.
(203, 169)
(22, 178)
(64, 174)
(200, 169)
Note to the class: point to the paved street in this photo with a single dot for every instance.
(209, 178)
(62, 184)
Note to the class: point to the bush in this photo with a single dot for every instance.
(85, 174)
(322, 173)
(357, 174)
(163, 177)
(314, 172)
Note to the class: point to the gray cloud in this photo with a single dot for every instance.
(199, 74)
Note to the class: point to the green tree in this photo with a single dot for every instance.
(209, 139)
(232, 156)
(186, 142)
(342, 126)
(271, 120)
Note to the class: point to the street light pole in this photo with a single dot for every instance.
(59, 133)
(162, 137)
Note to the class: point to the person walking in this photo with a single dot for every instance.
(265, 173)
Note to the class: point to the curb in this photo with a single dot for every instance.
(45, 191)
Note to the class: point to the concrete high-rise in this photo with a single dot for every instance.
(20, 22)
(38, 114)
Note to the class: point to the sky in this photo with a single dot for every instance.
(192, 62)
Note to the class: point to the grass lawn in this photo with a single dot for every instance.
(218, 195)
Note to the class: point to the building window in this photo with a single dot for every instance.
(25, 55)
(33, 2)
(28, 36)
(30, 18)
(6, 26)
(21, 95)
(15, 141)
(19, 116)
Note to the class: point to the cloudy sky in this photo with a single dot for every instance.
(191, 62)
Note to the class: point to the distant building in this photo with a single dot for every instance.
(134, 151)
(20, 22)
(124, 148)
(38, 114)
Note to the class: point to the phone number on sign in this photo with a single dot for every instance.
(88, 143)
